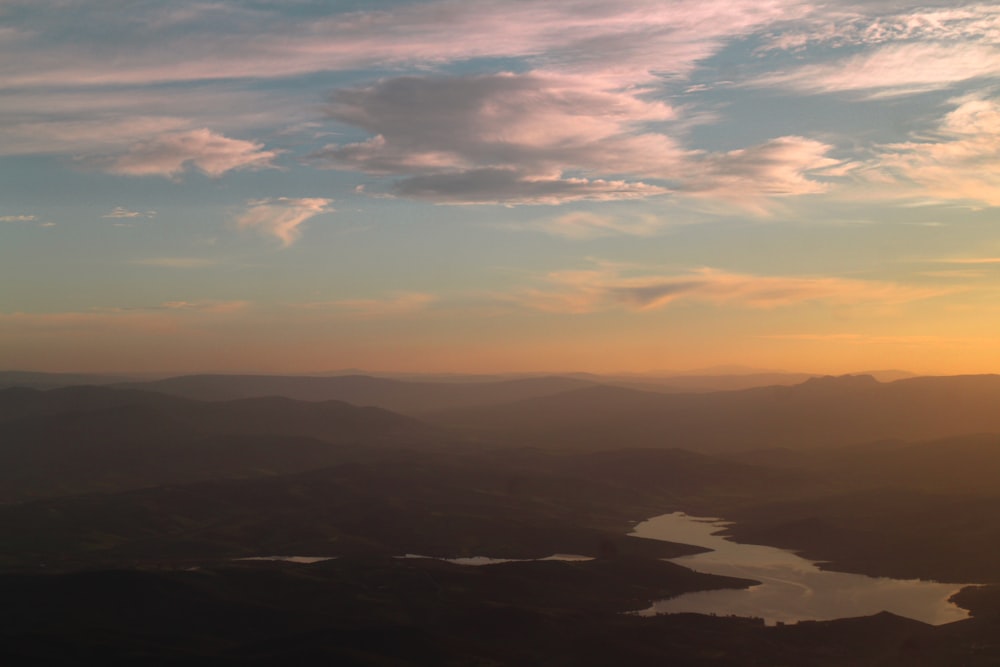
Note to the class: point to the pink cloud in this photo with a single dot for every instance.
(609, 287)
(780, 167)
(961, 162)
(172, 154)
(281, 217)
(843, 27)
(894, 69)
(539, 138)
(626, 42)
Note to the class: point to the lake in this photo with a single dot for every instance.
(792, 588)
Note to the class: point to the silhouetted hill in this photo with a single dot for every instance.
(960, 464)
(819, 412)
(257, 416)
(890, 532)
(408, 397)
(82, 439)
(21, 402)
(677, 384)
(37, 380)
(511, 503)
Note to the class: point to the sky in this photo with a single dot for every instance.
(499, 186)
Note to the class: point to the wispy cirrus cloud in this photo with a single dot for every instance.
(18, 218)
(748, 177)
(959, 160)
(85, 122)
(608, 287)
(909, 51)
(281, 217)
(580, 118)
(895, 69)
(68, 99)
(844, 27)
(192, 41)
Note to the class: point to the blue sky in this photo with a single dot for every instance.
(512, 185)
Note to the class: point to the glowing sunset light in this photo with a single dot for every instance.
(429, 186)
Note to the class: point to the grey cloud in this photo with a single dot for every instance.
(645, 295)
(535, 138)
(503, 138)
(501, 186)
(171, 154)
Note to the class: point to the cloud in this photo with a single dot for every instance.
(81, 135)
(18, 218)
(608, 287)
(280, 217)
(172, 154)
(779, 167)
(100, 121)
(579, 109)
(844, 28)
(589, 225)
(122, 212)
(581, 117)
(960, 161)
(535, 138)
(191, 41)
(511, 138)
(896, 69)
(509, 186)
(910, 51)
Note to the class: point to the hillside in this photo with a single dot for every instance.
(83, 439)
(819, 412)
(405, 396)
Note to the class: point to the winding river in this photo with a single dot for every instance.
(792, 588)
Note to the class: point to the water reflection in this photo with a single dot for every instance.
(486, 560)
(305, 560)
(791, 588)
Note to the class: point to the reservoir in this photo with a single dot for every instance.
(792, 588)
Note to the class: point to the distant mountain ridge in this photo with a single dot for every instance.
(40, 380)
(405, 396)
(819, 412)
(415, 393)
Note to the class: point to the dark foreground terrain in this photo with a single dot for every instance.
(125, 513)
(424, 612)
